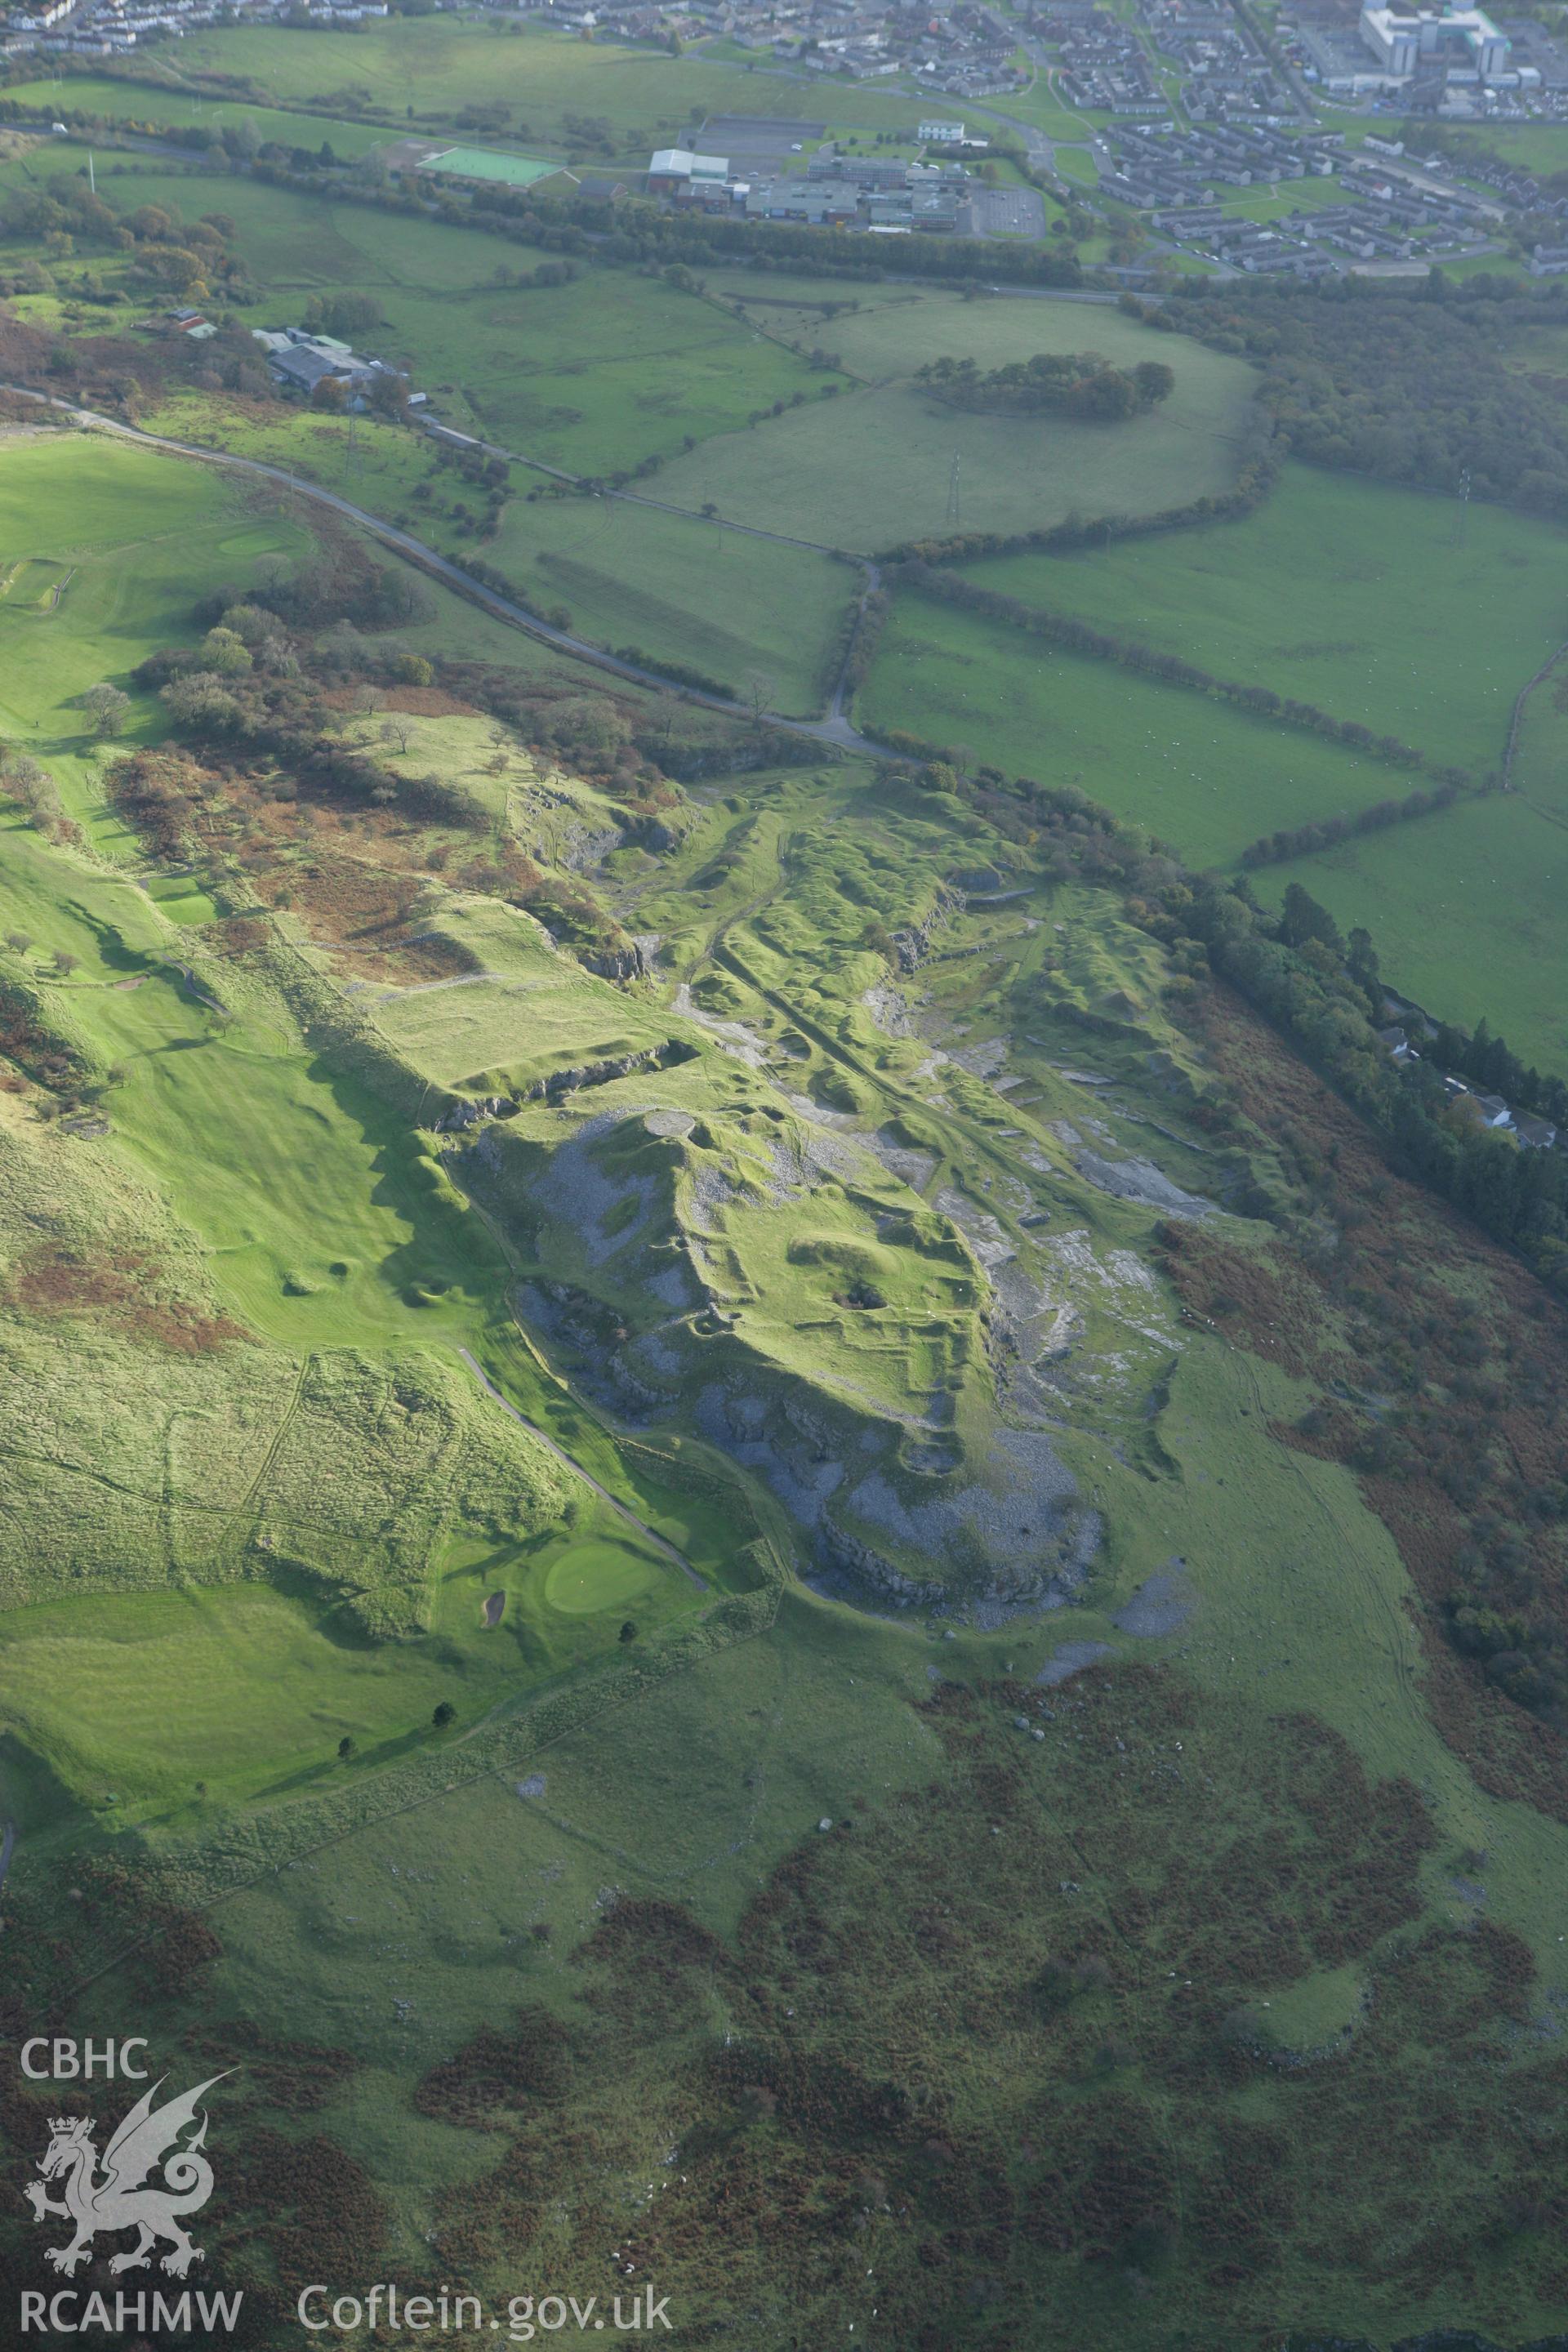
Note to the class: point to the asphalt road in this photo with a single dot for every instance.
(836, 729)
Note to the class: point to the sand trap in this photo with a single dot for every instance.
(495, 1608)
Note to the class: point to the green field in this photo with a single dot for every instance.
(1355, 597)
(1077, 162)
(885, 332)
(489, 163)
(1352, 595)
(593, 377)
(1201, 774)
(432, 67)
(729, 605)
(1538, 147)
(178, 107)
(876, 465)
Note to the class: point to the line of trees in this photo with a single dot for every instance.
(1296, 970)
(871, 621)
(1408, 383)
(1488, 1062)
(642, 233)
(678, 673)
(236, 143)
(1328, 831)
(1077, 383)
(1259, 470)
(1075, 636)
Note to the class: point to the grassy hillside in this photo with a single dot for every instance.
(738, 1541)
(1204, 1927)
(135, 543)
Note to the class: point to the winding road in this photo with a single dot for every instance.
(835, 730)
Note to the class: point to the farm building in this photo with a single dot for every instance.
(299, 362)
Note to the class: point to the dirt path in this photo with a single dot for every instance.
(7, 1848)
(838, 713)
(631, 1518)
(1516, 717)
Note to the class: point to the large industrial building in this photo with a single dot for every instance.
(1461, 43)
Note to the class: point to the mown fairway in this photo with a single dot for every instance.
(1355, 597)
(247, 1688)
(1199, 773)
(347, 1266)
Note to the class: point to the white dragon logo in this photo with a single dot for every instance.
(118, 2199)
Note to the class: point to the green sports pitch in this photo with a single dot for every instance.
(489, 163)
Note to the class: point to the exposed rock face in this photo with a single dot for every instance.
(914, 945)
(1140, 1180)
(876, 1570)
(627, 962)
(652, 833)
(599, 1074)
(469, 1114)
